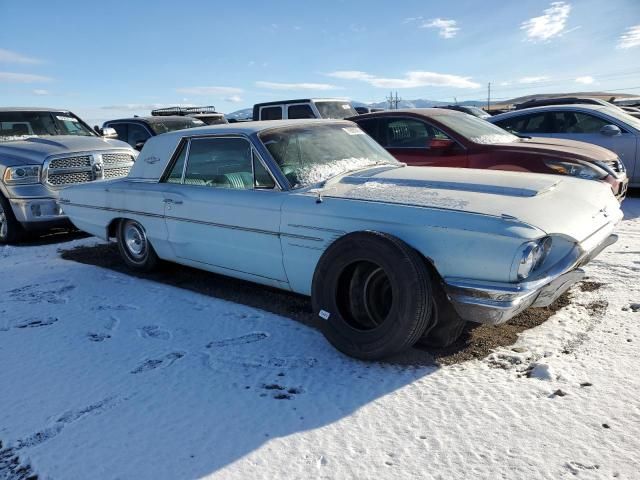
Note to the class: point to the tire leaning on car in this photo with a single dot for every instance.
(134, 246)
(373, 292)
(10, 229)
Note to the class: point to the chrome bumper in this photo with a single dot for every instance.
(35, 210)
(496, 303)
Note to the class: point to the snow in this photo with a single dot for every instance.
(105, 375)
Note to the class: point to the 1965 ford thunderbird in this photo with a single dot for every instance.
(390, 254)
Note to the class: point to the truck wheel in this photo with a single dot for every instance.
(373, 292)
(134, 246)
(10, 229)
(447, 324)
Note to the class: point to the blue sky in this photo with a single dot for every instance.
(108, 59)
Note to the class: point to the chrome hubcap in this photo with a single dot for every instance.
(135, 240)
(3, 223)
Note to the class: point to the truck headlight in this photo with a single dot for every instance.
(575, 169)
(22, 175)
(533, 255)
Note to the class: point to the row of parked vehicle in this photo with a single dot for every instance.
(343, 210)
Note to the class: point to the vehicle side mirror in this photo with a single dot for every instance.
(440, 143)
(140, 144)
(109, 132)
(610, 130)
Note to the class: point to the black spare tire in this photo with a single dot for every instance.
(373, 292)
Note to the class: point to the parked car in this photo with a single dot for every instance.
(542, 102)
(446, 138)
(594, 124)
(475, 111)
(304, 108)
(207, 115)
(388, 253)
(137, 130)
(362, 110)
(42, 151)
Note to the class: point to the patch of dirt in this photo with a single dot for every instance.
(588, 286)
(476, 342)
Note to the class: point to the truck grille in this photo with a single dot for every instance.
(71, 162)
(61, 172)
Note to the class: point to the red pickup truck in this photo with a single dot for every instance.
(446, 138)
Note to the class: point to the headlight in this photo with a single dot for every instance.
(581, 170)
(533, 255)
(21, 175)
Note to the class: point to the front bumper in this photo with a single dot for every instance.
(495, 303)
(38, 212)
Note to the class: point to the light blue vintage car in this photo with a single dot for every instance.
(390, 254)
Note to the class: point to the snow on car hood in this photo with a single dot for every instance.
(36, 149)
(554, 204)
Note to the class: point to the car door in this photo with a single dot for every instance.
(587, 127)
(410, 140)
(223, 207)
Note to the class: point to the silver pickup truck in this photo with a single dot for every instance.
(41, 152)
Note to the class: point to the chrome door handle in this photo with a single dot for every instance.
(171, 200)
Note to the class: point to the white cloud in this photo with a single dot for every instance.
(630, 38)
(505, 84)
(533, 79)
(411, 79)
(40, 91)
(233, 99)
(586, 80)
(446, 28)
(8, 56)
(209, 90)
(549, 25)
(295, 86)
(11, 77)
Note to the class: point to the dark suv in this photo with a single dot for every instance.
(137, 130)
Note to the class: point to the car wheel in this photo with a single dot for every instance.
(10, 229)
(134, 246)
(373, 292)
(447, 324)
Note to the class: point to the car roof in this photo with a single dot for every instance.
(248, 128)
(544, 108)
(33, 109)
(427, 112)
(301, 100)
(156, 119)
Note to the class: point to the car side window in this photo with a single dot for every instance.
(408, 133)
(577, 122)
(533, 123)
(371, 127)
(300, 111)
(220, 163)
(137, 133)
(175, 175)
(262, 179)
(121, 129)
(271, 113)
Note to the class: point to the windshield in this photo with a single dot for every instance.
(478, 112)
(314, 153)
(21, 125)
(477, 130)
(335, 110)
(165, 126)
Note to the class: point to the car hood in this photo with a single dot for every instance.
(36, 149)
(557, 147)
(551, 203)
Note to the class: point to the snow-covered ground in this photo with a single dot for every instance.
(103, 375)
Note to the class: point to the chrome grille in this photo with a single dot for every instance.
(116, 172)
(71, 162)
(116, 158)
(616, 166)
(58, 179)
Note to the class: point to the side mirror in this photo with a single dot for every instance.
(109, 132)
(610, 130)
(440, 143)
(140, 144)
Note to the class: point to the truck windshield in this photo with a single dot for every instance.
(311, 154)
(20, 125)
(335, 110)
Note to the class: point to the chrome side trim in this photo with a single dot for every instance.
(189, 220)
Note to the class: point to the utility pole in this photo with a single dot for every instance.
(393, 102)
(489, 96)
